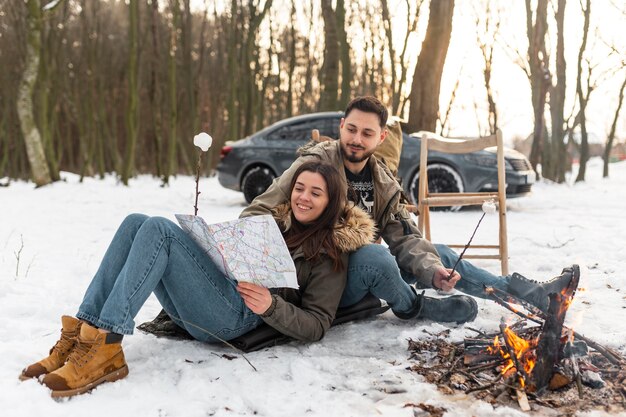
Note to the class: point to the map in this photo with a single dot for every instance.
(250, 249)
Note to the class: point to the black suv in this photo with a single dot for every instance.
(249, 165)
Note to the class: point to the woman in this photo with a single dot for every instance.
(152, 254)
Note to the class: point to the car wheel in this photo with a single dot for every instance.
(441, 179)
(256, 181)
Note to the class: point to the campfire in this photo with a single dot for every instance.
(546, 364)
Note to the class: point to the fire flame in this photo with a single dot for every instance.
(524, 351)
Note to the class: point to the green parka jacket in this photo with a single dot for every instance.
(307, 313)
(413, 253)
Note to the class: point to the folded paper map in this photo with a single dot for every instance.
(250, 249)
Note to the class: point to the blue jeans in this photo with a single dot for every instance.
(373, 268)
(153, 254)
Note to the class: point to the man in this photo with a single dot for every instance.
(409, 259)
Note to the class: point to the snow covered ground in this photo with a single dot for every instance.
(60, 233)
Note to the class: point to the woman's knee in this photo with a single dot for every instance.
(156, 228)
(160, 224)
(134, 220)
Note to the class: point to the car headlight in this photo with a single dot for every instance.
(483, 160)
(486, 160)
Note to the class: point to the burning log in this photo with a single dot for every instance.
(519, 360)
(517, 351)
(487, 382)
(479, 350)
(549, 345)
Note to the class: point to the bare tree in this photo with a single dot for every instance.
(584, 141)
(330, 69)
(445, 120)
(344, 55)
(487, 33)
(132, 116)
(426, 85)
(554, 159)
(171, 165)
(539, 75)
(398, 63)
(154, 89)
(25, 108)
(611, 137)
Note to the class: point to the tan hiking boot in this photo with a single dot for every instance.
(96, 358)
(59, 352)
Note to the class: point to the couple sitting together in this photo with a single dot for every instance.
(329, 231)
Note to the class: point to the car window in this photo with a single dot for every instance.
(327, 127)
(333, 127)
(300, 131)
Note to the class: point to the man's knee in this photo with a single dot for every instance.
(373, 255)
(447, 255)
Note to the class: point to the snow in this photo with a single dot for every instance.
(358, 369)
(50, 5)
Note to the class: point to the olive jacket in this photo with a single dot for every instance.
(307, 313)
(413, 253)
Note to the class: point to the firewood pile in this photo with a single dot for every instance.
(527, 366)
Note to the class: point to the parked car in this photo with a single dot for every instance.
(249, 165)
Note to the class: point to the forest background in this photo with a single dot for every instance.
(99, 86)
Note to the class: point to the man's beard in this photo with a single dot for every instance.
(353, 158)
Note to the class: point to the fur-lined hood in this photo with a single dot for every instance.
(355, 227)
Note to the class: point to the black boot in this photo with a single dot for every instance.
(536, 293)
(457, 308)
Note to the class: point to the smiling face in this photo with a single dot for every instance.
(360, 134)
(309, 197)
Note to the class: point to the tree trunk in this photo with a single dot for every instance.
(611, 137)
(132, 116)
(558, 152)
(344, 54)
(582, 100)
(50, 39)
(154, 90)
(188, 74)
(330, 68)
(171, 165)
(539, 75)
(292, 59)
(34, 146)
(487, 39)
(392, 54)
(233, 71)
(426, 84)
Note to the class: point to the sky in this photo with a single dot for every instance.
(510, 83)
(53, 238)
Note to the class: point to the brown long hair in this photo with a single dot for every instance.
(319, 235)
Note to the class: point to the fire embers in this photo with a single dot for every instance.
(518, 353)
(482, 366)
(544, 365)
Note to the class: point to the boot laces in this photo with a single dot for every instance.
(523, 278)
(82, 352)
(64, 344)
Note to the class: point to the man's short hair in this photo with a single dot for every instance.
(368, 104)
